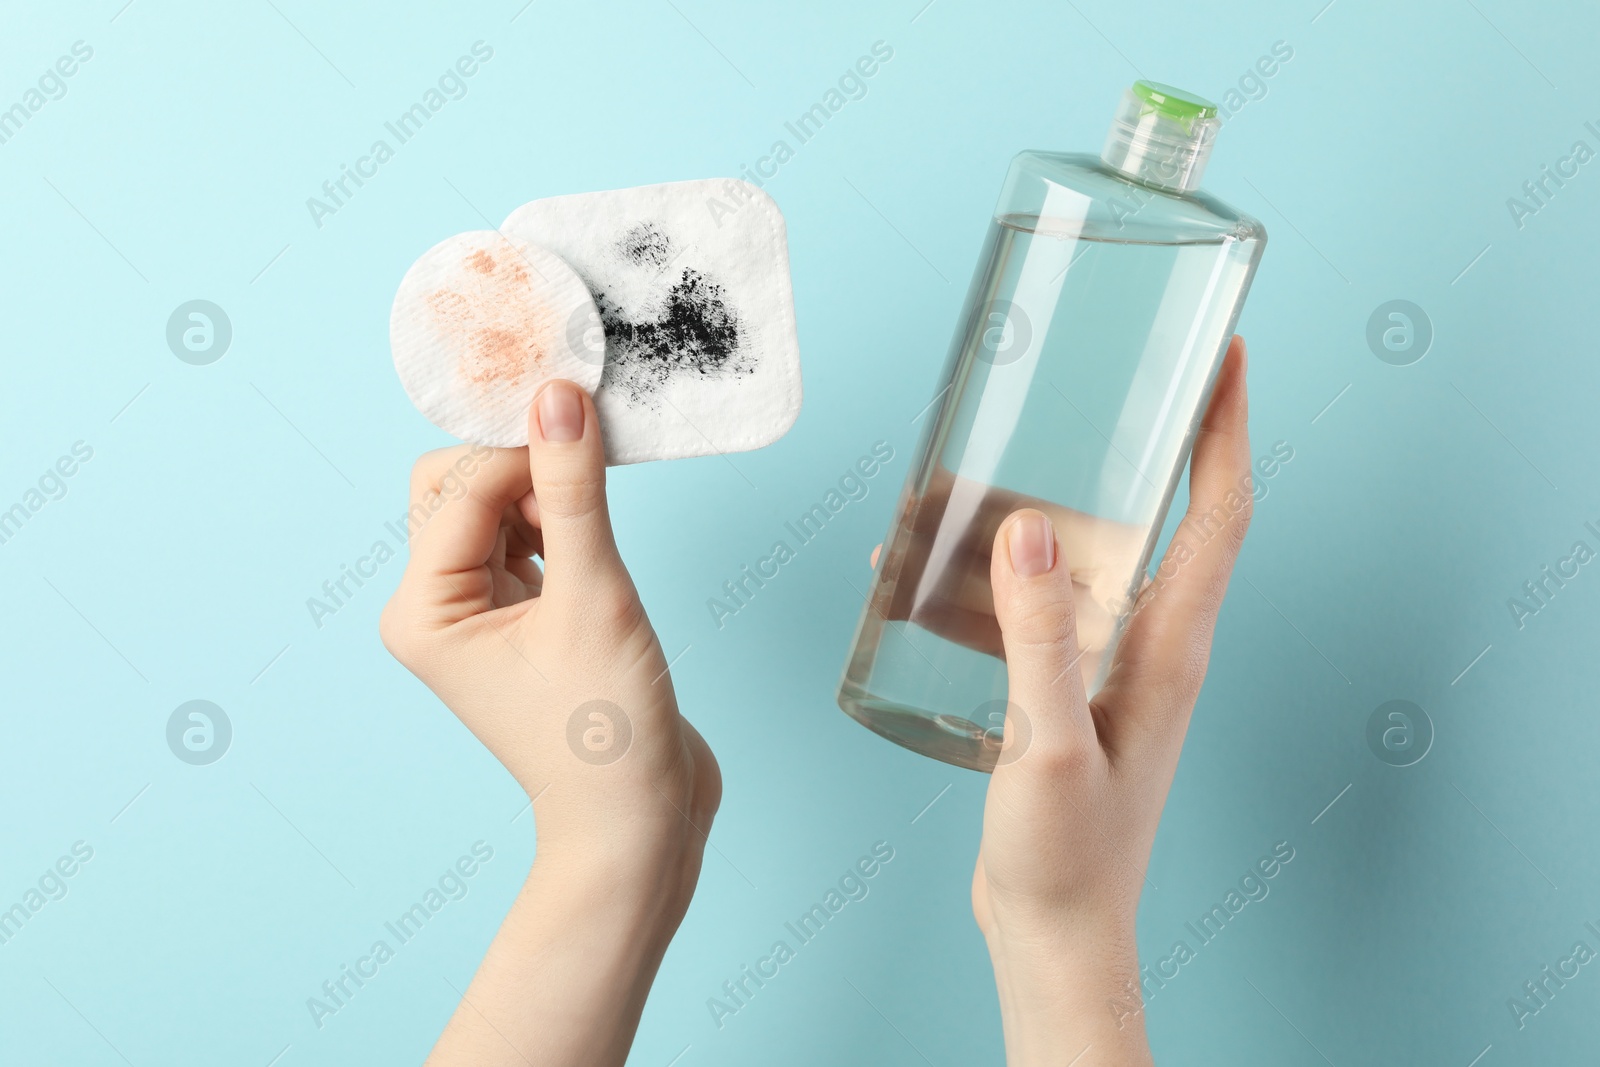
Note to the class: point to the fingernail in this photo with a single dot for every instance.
(1033, 545)
(560, 413)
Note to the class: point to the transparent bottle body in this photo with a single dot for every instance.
(1081, 365)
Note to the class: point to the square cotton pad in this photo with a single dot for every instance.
(479, 323)
(691, 283)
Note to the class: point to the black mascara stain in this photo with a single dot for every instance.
(646, 246)
(693, 332)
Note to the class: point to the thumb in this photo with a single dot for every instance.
(568, 465)
(1033, 605)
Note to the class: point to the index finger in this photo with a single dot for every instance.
(1161, 661)
(458, 496)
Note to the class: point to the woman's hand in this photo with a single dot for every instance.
(560, 675)
(1075, 799)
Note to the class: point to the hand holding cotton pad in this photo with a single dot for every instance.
(479, 323)
(690, 283)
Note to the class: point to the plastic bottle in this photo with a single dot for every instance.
(1101, 308)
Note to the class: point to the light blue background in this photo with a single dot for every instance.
(1380, 158)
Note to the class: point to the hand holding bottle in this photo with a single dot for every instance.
(1078, 789)
(1094, 330)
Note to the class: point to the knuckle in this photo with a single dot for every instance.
(397, 633)
(1042, 623)
(431, 468)
(1177, 686)
(574, 496)
(422, 471)
(1060, 760)
(1241, 520)
(1234, 545)
(615, 608)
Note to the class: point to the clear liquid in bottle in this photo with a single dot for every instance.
(1092, 335)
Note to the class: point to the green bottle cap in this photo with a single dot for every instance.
(1186, 108)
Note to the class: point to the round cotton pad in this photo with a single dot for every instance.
(479, 323)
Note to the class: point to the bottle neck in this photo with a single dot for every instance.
(1160, 151)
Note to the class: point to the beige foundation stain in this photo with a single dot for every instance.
(493, 316)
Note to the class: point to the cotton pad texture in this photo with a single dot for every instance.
(691, 285)
(479, 323)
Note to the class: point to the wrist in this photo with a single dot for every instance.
(1070, 992)
(642, 897)
(566, 978)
